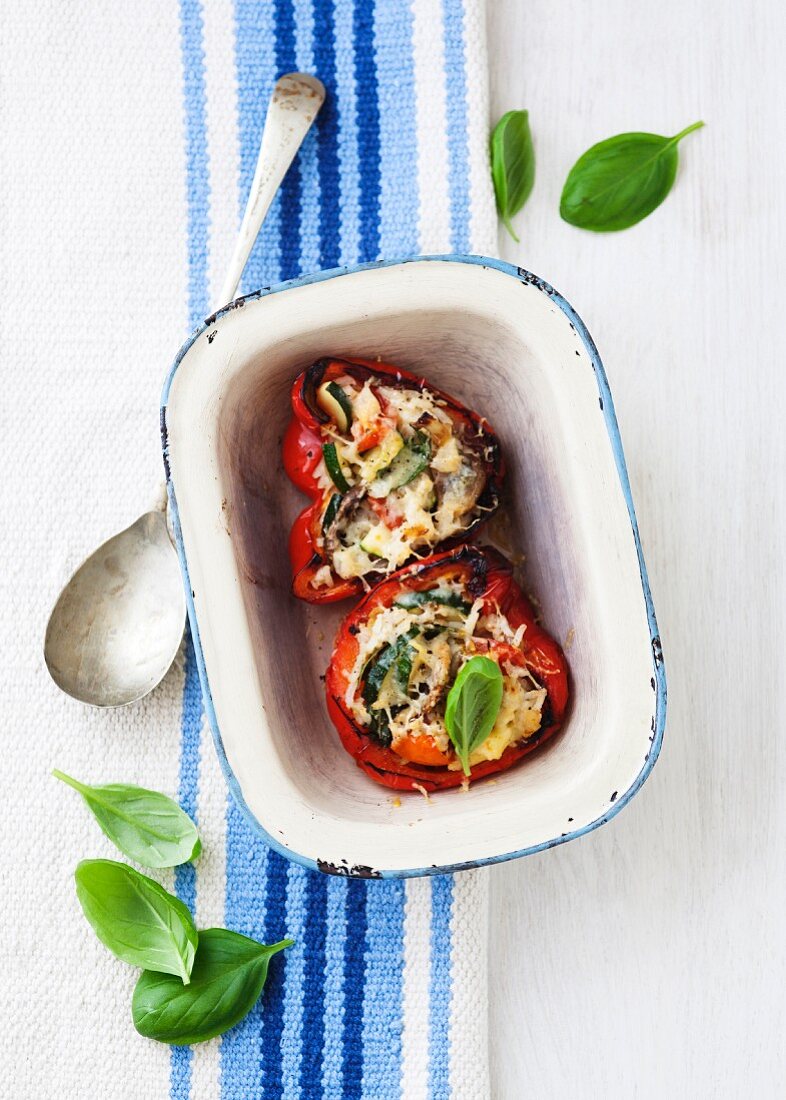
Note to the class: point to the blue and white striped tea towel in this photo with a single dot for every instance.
(384, 994)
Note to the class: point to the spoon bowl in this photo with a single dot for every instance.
(118, 624)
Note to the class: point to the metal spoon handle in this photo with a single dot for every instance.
(293, 106)
(118, 623)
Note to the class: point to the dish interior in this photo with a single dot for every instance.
(506, 349)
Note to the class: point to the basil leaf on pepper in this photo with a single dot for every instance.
(473, 705)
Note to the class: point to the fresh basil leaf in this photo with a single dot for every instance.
(473, 705)
(228, 976)
(512, 165)
(136, 918)
(619, 181)
(394, 659)
(395, 654)
(410, 461)
(379, 728)
(145, 825)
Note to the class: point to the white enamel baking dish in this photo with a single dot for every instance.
(506, 344)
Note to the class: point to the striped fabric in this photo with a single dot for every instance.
(119, 211)
(384, 994)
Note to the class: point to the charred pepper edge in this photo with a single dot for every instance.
(477, 557)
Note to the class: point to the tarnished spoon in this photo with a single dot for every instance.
(118, 623)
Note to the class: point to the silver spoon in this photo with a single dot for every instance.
(117, 625)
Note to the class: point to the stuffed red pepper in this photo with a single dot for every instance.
(395, 470)
(410, 646)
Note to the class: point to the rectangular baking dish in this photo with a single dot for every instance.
(505, 343)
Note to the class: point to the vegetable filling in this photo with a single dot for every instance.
(409, 658)
(398, 473)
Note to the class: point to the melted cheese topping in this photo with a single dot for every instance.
(445, 637)
(323, 577)
(365, 405)
(384, 525)
(447, 460)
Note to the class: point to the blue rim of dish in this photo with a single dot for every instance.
(610, 419)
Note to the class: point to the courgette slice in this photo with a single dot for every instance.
(380, 457)
(406, 466)
(373, 543)
(334, 401)
(411, 460)
(331, 510)
(334, 468)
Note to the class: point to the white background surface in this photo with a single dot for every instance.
(649, 958)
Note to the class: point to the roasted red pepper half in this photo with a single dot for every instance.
(394, 468)
(455, 579)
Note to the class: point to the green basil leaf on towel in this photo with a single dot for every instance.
(619, 181)
(145, 825)
(512, 165)
(136, 918)
(228, 976)
(473, 705)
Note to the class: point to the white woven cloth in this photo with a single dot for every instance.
(108, 209)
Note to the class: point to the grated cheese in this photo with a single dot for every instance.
(415, 516)
(435, 661)
(447, 460)
(323, 577)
